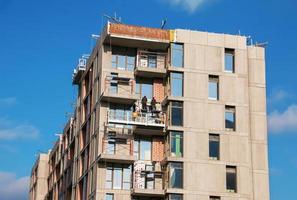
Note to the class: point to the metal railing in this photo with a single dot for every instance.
(149, 180)
(116, 147)
(118, 86)
(151, 59)
(82, 63)
(137, 118)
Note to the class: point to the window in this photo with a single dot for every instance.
(123, 58)
(176, 84)
(214, 146)
(113, 88)
(152, 61)
(230, 118)
(110, 146)
(175, 175)
(143, 149)
(175, 197)
(109, 197)
(231, 177)
(214, 198)
(176, 113)
(229, 60)
(177, 55)
(145, 88)
(120, 112)
(176, 144)
(213, 87)
(118, 177)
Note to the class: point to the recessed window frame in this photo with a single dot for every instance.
(213, 80)
(176, 142)
(176, 49)
(174, 169)
(123, 53)
(176, 105)
(230, 111)
(229, 53)
(231, 173)
(214, 138)
(112, 169)
(176, 82)
(137, 149)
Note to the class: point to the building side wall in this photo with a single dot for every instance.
(258, 134)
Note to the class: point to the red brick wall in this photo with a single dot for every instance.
(158, 90)
(158, 149)
(139, 31)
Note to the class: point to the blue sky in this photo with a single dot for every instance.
(40, 42)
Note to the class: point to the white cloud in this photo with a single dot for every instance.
(9, 101)
(19, 132)
(286, 121)
(189, 5)
(13, 188)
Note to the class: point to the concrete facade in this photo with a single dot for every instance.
(100, 144)
(38, 181)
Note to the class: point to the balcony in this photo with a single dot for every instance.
(120, 132)
(138, 119)
(147, 180)
(79, 70)
(119, 90)
(116, 150)
(151, 64)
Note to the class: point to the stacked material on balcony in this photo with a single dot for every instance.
(138, 179)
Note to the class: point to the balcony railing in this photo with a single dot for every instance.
(147, 181)
(152, 59)
(152, 64)
(119, 89)
(117, 150)
(137, 118)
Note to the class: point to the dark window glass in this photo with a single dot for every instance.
(176, 113)
(214, 198)
(230, 118)
(231, 178)
(229, 60)
(176, 175)
(177, 55)
(214, 146)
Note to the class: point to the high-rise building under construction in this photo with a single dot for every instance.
(162, 114)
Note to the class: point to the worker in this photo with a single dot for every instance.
(144, 103)
(153, 104)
